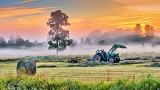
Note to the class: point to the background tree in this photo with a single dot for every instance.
(2, 42)
(149, 30)
(138, 29)
(20, 41)
(11, 41)
(58, 38)
(88, 41)
(101, 42)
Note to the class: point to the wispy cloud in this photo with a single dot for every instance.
(24, 1)
(36, 19)
(144, 8)
(19, 11)
(140, 5)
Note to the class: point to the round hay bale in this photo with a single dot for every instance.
(26, 67)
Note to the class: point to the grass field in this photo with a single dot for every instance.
(136, 74)
(97, 73)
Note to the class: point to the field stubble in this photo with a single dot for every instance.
(86, 74)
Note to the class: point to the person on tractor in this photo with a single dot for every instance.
(104, 53)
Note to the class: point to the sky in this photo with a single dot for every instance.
(28, 18)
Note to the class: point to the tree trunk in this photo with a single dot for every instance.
(57, 46)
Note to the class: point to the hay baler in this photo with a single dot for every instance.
(109, 56)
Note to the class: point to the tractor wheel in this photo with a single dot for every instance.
(111, 61)
(117, 60)
(97, 57)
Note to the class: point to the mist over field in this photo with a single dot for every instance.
(134, 40)
(80, 49)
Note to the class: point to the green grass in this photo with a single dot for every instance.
(67, 76)
(37, 83)
(49, 58)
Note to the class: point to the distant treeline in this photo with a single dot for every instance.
(18, 42)
(97, 37)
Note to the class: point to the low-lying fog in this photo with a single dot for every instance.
(86, 49)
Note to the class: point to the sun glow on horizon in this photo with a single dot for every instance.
(27, 18)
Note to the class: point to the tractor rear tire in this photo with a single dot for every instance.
(97, 57)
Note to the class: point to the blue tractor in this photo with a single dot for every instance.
(109, 56)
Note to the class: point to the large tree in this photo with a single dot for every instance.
(58, 38)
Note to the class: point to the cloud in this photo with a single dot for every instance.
(19, 11)
(140, 5)
(36, 19)
(144, 8)
(138, 2)
(24, 1)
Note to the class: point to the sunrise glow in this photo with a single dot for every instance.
(28, 17)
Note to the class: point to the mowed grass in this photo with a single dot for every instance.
(104, 73)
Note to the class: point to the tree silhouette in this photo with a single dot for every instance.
(2, 42)
(11, 41)
(58, 38)
(149, 30)
(138, 29)
(20, 41)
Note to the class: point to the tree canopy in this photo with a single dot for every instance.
(58, 38)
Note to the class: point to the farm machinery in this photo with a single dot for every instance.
(109, 56)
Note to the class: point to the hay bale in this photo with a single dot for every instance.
(26, 67)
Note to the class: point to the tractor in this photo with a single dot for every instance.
(109, 56)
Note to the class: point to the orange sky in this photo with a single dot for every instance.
(28, 17)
